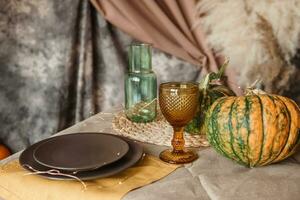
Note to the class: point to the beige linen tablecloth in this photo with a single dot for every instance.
(17, 184)
(211, 176)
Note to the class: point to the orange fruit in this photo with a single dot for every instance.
(4, 152)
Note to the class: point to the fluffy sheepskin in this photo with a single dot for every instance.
(260, 37)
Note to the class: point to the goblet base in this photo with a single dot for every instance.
(180, 157)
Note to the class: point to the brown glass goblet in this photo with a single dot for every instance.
(178, 103)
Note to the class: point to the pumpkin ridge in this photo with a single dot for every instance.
(297, 144)
(271, 152)
(210, 126)
(215, 126)
(224, 140)
(247, 114)
(254, 138)
(230, 130)
(296, 140)
(263, 130)
(287, 138)
(239, 130)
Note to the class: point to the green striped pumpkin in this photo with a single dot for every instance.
(254, 130)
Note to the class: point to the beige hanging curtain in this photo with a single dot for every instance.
(167, 24)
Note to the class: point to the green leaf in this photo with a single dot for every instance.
(222, 69)
(204, 83)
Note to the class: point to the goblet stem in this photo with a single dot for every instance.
(178, 140)
(178, 155)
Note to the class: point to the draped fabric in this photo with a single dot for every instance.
(167, 24)
(61, 62)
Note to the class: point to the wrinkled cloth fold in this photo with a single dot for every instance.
(224, 179)
(16, 184)
(168, 25)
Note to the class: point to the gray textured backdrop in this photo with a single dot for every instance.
(61, 62)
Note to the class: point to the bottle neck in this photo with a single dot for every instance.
(140, 58)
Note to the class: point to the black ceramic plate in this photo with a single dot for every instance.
(132, 157)
(80, 152)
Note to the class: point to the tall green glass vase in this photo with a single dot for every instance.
(140, 85)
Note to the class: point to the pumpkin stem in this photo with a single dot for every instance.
(253, 88)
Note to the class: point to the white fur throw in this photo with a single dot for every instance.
(260, 37)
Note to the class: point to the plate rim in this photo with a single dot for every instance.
(87, 168)
(138, 154)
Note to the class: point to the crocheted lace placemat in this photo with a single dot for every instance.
(158, 132)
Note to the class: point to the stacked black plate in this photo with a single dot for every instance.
(84, 155)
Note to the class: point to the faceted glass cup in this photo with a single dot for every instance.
(178, 103)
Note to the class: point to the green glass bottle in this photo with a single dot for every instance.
(140, 85)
